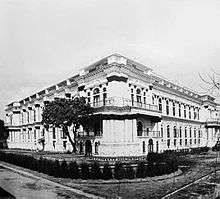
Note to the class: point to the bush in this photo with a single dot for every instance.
(155, 157)
(56, 169)
(40, 165)
(141, 170)
(129, 172)
(107, 172)
(95, 171)
(85, 171)
(119, 171)
(73, 170)
(64, 169)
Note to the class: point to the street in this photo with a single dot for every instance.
(21, 186)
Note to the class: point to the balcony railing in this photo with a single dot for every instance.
(89, 135)
(213, 120)
(123, 102)
(146, 133)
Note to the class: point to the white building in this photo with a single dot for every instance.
(136, 111)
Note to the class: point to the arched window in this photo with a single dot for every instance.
(185, 131)
(168, 131)
(132, 97)
(190, 132)
(194, 110)
(54, 133)
(161, 131)
(96, 97)
(139, 128)
(180, 132)
(167, 107)
(144, 97)
(194, 132)
(88, 97)
(174, 109)
(189, 112)
(104, 96)
(184, 111)
(152, 99)
(138, 96)
(160, 104)
(150, 146)
(144, 150)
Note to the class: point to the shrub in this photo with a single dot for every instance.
(50, 167)
(73, 170)
(141, 170)
(95, 171)
(85, 171)
(155, 157)
(129, 172)
(107, 172)
(40, 164)
(119, 171)
(64, 169)
(57, 169)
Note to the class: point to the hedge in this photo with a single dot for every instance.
(157, 164)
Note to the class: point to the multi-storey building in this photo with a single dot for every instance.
(136, 112)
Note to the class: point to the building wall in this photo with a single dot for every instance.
(168, 112)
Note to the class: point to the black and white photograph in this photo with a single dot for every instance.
(115, 99)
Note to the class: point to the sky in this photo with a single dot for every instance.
(43, 42)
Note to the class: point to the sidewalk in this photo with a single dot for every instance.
(22, 184)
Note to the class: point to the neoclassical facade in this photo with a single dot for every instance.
(136, 112)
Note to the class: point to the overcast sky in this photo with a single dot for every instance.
(46, 41)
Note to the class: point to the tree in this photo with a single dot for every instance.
(4, 133)
(64, 113)
(211, 82)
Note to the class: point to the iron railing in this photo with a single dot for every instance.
(123, 102)
(146, 133)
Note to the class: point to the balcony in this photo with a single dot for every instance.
(89, 135)
(124, 103)
(213, 122)
(149, 134)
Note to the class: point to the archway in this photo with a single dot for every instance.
(150, 146)
(88, 147)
